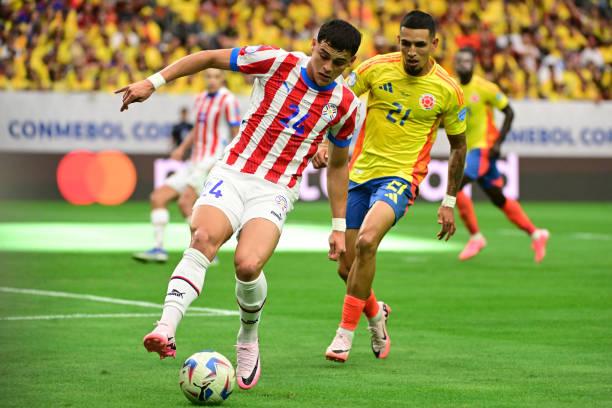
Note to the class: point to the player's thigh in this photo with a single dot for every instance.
(162, 195)
(378, 221)
(222, 190)
(210, 228)
(187, 199)
(256, 243)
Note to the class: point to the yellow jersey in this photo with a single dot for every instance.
(403, 115)
(481, 97)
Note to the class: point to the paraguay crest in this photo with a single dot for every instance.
(330, 111)
(427, 101)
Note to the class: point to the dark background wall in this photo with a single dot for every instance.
(32, 176)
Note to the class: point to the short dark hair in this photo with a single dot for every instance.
(469, 50)
(420, 19)
(341, 35)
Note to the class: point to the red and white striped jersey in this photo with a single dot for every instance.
(288, 115)
(215, 114)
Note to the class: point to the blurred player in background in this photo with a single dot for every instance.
(484, 142)
(409, 96)
(295, 103)
(181, 130)
(217, 119)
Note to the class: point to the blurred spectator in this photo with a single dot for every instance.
(554, 49)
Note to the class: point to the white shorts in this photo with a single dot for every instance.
(243, 197)
(193, 174)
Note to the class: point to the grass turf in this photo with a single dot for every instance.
(496, 331)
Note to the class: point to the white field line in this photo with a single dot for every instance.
(95, 316)
(103, 299)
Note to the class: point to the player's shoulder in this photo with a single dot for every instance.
(379, 61)
(447, 83)
(485, 84)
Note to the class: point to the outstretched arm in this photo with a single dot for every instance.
(508, 118)
(456, 162)
(337, 189)
(188, 65)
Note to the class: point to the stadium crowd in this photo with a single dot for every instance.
(547, 49)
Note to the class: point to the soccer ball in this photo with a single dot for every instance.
(207, 377)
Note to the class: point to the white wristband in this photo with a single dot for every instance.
(339, 224)
(449, 201)
(157, 80)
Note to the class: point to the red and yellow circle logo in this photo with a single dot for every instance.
(427, 101)
(107, 177)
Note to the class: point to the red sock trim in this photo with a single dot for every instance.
(371, 306)
(351, 312)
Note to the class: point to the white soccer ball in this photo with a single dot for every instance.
(207, 377)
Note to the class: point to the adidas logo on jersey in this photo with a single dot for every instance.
(387, 87)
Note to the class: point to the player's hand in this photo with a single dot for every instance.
(177, 154)
(136, 92)
(319, 160)
(446, 217)
(337, 245)
(495, 151)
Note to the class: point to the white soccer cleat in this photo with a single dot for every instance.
(152, 255)
(248, 366)
(340, 347)
(380, 340)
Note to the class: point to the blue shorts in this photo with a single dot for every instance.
(478, 166)
(394, 191)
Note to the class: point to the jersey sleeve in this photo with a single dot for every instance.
(341, 133)
(359, 79)
(496, 97)
(254, 59)
(455, 113)
(232, 110)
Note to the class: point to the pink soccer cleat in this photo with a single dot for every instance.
(538, 243)
(248, 365)
(161, 343)
(340, 347)
(380, 340)
(472, 248)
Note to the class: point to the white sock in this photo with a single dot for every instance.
(159, 218)
(376, 318)
(537, 234)
(251, 297)
(184, 287)
(477, 235)
(346, 332)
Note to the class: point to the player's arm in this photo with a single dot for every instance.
(337, 189)
(456, 162)
(188, 65)
(179, 152)
(503, 132)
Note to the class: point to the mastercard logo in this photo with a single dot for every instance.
(107, 177)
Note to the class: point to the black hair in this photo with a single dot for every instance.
(420, 19)
(469, 50)
(340, 35)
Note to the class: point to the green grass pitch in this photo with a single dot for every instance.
(497, 331)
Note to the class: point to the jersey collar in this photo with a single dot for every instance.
(312, 84)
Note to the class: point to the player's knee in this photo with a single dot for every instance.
(248, 268)
(366, 243)
(204, 241)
